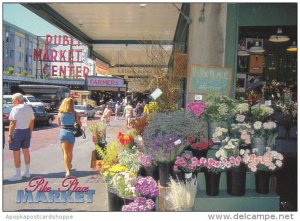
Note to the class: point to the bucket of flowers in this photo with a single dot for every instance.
(148, 165)
(188, 164)
(263, 166)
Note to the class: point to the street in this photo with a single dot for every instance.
(47, 161)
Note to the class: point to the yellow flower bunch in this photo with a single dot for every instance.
(111, 170)
(111, 154)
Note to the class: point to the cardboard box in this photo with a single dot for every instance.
(94, 161)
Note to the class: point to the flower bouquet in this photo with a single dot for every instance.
(196, 108)
(229, 147)
(126, 140)
(263, 129)
(187, 163)
(242, 112)
(128, 158)
(140, 204)
(147, 187)
(261, 112)
(262, 166)
(219, 108)
(242, 131)
(124, 182)
(138, 125)
(98, 130)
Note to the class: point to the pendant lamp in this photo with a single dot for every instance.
(279, 37)
(257, 48)
(292, 48)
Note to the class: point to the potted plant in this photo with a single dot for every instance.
(262, 166)
(148, 165)
(98, 130)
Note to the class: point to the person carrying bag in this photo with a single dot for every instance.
(66, 119)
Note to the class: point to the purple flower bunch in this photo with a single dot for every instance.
(145, 160)
(196, 108)
(140, 204)
(147, 187)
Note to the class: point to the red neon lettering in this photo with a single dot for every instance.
(48, 39)
(65, 40)
(86, 71)
(78, 71)
(37, 54)
(53, 55)
(54, 70)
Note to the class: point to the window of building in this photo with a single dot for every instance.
(7, 36)
(19, 69)
(30, 44)
(12, 54)
(11, 37)
(19, 56)
(29, 59)
(19, 41)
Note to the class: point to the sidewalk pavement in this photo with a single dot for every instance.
(48, 163)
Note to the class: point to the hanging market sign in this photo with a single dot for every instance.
(105, 82)
(55, 51)
(206, 79)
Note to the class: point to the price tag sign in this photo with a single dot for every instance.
(198, 97)
(240, 118)
(177, 142)
(215, 140)
(268, 102)
(156, 94)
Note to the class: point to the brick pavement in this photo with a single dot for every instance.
(46, 161)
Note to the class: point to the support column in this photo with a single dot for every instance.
(207, 37)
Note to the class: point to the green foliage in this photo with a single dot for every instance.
(111, 154)
(10, 70)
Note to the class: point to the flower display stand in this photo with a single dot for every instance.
(251, 201)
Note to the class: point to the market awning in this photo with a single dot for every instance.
(116, 32)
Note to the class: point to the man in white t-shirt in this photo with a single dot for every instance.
(20, 129)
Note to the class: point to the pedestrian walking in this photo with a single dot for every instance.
(106, 115)
(20, 130)
(128, 112)
(138, 110)
(117, 110)
(66, 118)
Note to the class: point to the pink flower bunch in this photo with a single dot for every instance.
(187, 163)
(215, 166)
(196, 108)
(270, 161)
(231, 162)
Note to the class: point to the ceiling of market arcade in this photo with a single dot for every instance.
(117, 32)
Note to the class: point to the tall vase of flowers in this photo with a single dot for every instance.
(262, 166)
(260, 133)
(219, 109)
(213, 170)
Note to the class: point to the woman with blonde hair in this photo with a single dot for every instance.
(66, 118)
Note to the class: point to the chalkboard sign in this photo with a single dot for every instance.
(205, 79)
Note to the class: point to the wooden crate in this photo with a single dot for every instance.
(94, 161)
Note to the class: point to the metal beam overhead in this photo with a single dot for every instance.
(162, 42)
(50, 15)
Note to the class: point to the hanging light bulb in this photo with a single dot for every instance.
(257, 48)
(292, 48)
(279, 37)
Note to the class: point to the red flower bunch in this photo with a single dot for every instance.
(125, 139)
(139, 124)
(196, 143)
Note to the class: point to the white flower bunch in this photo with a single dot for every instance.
(240, 127)
(229, 147)
(242, 108)
(220, 133)
(231, 144)
(269, 125)
(261, 111)
(124, 183)
(257, 125)
(223, 109)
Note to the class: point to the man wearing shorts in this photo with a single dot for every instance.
(20, 129)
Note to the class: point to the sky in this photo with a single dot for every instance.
(27, 20)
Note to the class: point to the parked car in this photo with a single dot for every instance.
(28, 99)
(85, 110)
(40, 114)
(5, 113)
